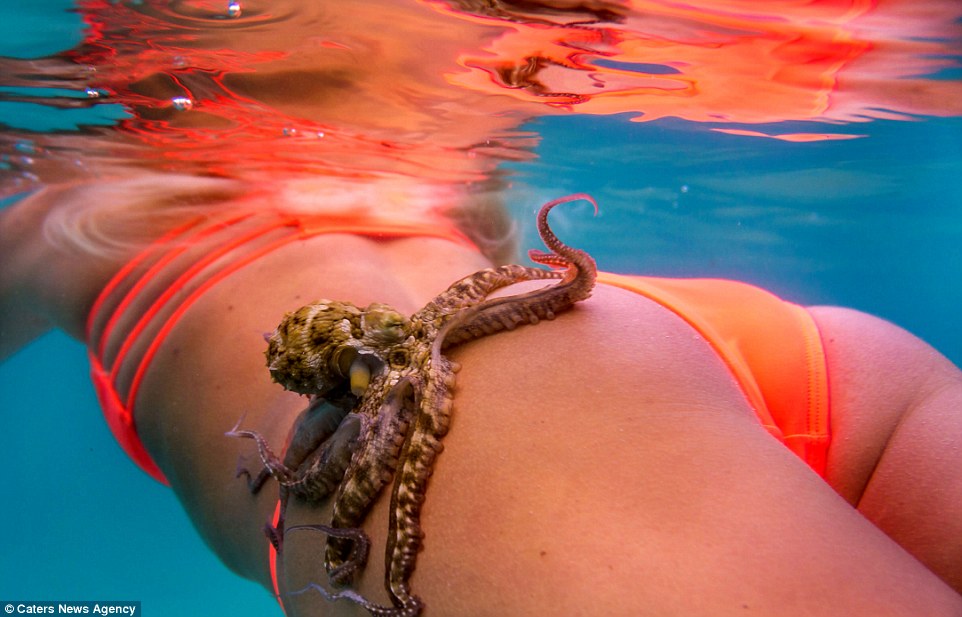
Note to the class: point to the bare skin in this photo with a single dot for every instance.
(404, 383)
(602, 463)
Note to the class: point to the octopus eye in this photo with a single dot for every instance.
(398, 358)
(382, 325)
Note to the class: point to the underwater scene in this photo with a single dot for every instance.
(813, 148)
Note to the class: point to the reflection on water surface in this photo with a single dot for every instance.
(441, 91)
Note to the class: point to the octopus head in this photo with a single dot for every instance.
(318, 347)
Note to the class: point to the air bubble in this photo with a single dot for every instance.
(182, 103)
(234, 9)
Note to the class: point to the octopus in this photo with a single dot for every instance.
(380, 389)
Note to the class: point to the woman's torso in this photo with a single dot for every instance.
(614, 361)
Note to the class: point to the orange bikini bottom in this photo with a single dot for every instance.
(772, 347)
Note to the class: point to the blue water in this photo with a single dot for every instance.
(82, 523)
(872, 223)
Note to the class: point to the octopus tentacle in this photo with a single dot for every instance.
(318, 476)
(414, 470)
(358, 541)
(371, 467)
(396, 367)
(432, 420)
(349, 594)
(471, 290)
(506, 313)
(254, 483)
(271, 461)
(581, 260)
(358, 556)
(312, 427)
(324, 469)
(274, 465)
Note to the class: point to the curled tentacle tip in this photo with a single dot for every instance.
(235, 430)
(548, 259)
(569, 198)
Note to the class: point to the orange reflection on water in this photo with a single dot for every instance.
(792, 137)
(437, 89)
(743, 62)
(344, 89)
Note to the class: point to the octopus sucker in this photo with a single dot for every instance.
(386, 378)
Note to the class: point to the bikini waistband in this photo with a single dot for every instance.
(141, 304)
